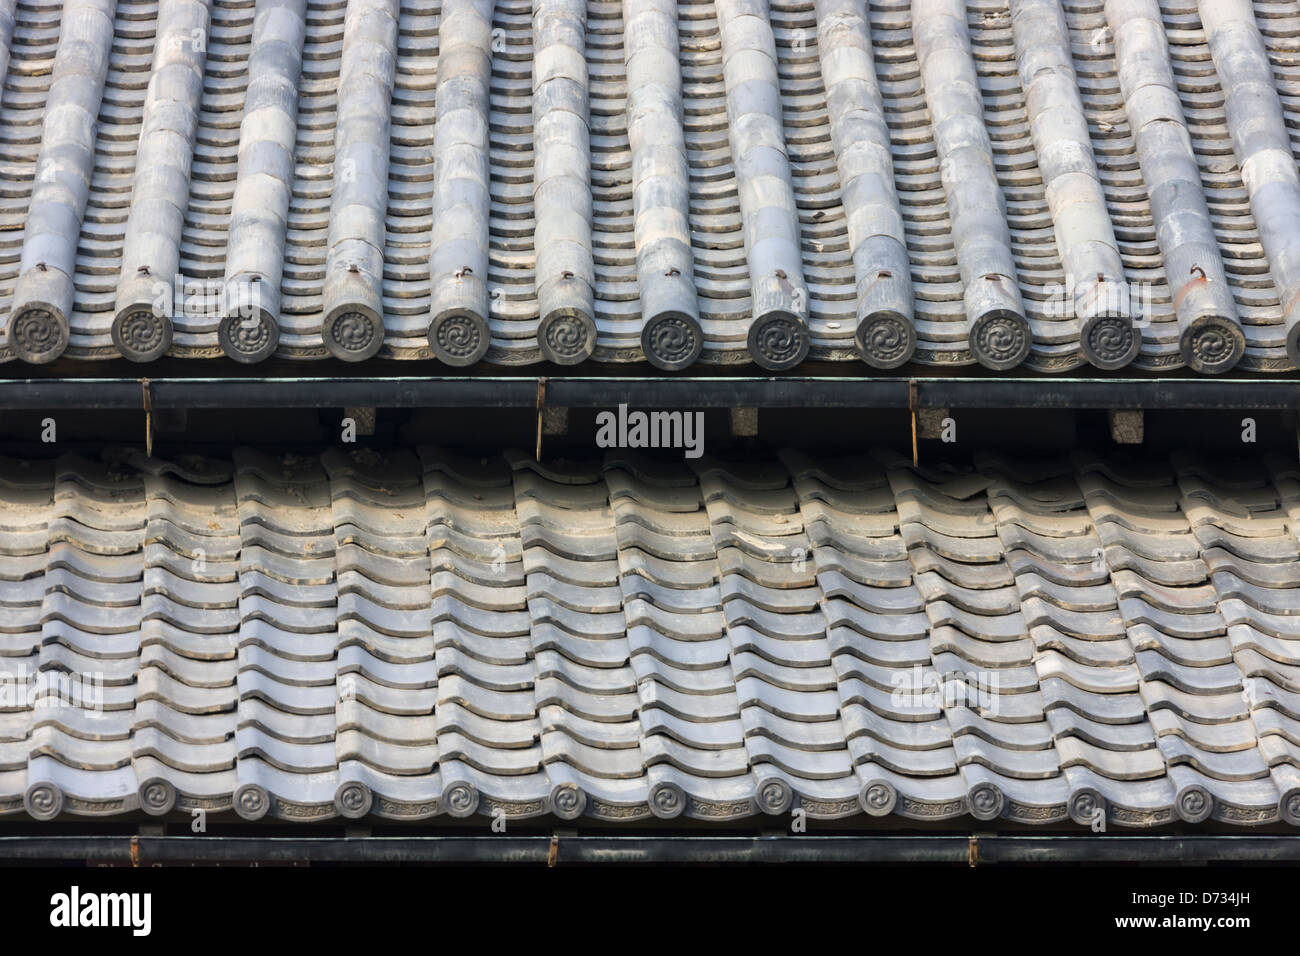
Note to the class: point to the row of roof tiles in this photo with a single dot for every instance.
(1001, 181)
(410, 635)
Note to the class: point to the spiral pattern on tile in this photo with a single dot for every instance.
(568, 801)
(1213, 347)
(36, 334)
(778, 342)
(1001, 341)
(671, 340)
(252, 801)
(353, 331)
(878, 798)
(44, 801)
(248, 338)
(139, 333)
(1289, 807)
(667, 800)
(886, 340)
(567, 337)
(157, 796)
(457, 336)
(775, 796)
(353, 800)
(985, 801)
(1194, 804)
(1111, 341)
(460, 799)
(1084, 806)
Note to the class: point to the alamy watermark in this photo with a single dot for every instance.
(49, 689)
(77, 909)
(922, 689)
(1098, 296)
(624, 429)
(202, 298)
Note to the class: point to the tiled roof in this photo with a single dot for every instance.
(413, 636)
(733, 180)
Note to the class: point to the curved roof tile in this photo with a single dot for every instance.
(1009, 182)
(352, 633)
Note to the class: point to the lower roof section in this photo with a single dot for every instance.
(411, 635)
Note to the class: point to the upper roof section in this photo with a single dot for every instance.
(1008, 182)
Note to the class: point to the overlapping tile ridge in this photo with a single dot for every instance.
(412, 635)
(1045, 184)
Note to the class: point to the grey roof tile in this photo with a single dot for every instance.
(181, 191)
(724, 667)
